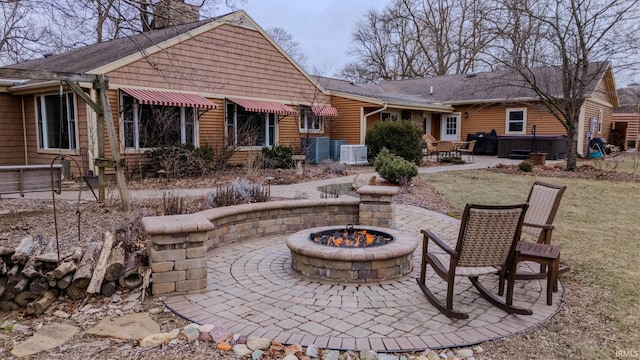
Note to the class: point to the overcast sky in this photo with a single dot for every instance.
(322, 27)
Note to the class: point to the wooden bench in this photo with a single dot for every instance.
(21, 179)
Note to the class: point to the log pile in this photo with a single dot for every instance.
(34, 275)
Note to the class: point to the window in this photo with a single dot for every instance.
(386, 116)
(56, 121)
(599, 121)
(516, 121)
(309, 122)
(247, 128)
(151, 126)
(451, 125)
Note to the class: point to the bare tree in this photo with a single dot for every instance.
(576, 37)
(288, 44)
(21, 36)
(417, 38)
(34, 27)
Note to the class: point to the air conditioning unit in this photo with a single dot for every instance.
(353, 154)
(317, 148)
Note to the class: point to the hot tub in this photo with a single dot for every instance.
(554, 145)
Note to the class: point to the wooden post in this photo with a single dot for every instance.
(113, 142)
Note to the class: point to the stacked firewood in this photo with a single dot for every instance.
(34, 275)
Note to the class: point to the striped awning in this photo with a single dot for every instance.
(164, 98)
(327, 111)
(264, 106)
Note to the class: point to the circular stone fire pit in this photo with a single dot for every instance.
(375, 263)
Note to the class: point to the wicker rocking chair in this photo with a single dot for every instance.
(486, 245)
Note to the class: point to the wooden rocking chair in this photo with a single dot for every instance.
(544, 200)
(486, 245)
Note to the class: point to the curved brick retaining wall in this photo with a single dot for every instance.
(177, 245)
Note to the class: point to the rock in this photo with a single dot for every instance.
(433, 356)
(256, 343)
(363, 180)
(256, 354)
(387, 357)
(174, 333)
(61, 314)
(131, 326)
(205, 328)
(19, 328)
(368, 355)
(242, 339)
(349, 355)
(223, 346)
(290, 357)
(292, 349)
(478, 349)
(155, 339)
(155, 311)
(464, 353)
(312, 351)
(204, 337)
(241, 350)
(276, 346)
(219, 334)
(48, 337)
(330, 354)
(189, 333)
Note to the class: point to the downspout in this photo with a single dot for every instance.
(24, 133)
(363, 126)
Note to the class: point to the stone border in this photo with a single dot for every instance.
(375, 263)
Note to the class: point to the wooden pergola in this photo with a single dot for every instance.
(104, 118)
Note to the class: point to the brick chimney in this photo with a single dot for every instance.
(174, 12)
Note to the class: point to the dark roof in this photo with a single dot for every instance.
(91, 57)
(498, 86)
(374, 91)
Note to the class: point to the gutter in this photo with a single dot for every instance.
(363, 121)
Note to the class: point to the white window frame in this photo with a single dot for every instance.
(270, 123)
(41, 123)
(307, 117)
(390, 116)
(508, 121)
(600, 116)
(136, 124)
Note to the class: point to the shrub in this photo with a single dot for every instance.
(333, 168)
(276, 156)
(400, 137)
(393, 168)
(526, 165)
(451, 160)
(180, 161)
(172, 204)
(239, 191)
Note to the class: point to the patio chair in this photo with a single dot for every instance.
(443, 147)
(544, 200)
(486, 245)
(431, 147)
(468, 150)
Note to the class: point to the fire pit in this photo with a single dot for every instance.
(331, 253)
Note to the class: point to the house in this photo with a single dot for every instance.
(212, 83)
(625, 128)
(224, 81)
(451, 107)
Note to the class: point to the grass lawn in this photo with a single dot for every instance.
(597, 226)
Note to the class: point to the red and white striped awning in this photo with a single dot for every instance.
(264, 106)
(327, 111)
(164, 98)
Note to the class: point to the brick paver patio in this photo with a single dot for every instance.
(253, 291)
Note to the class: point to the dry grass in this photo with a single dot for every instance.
(597, 229)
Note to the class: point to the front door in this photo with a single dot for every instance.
(450, 127)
